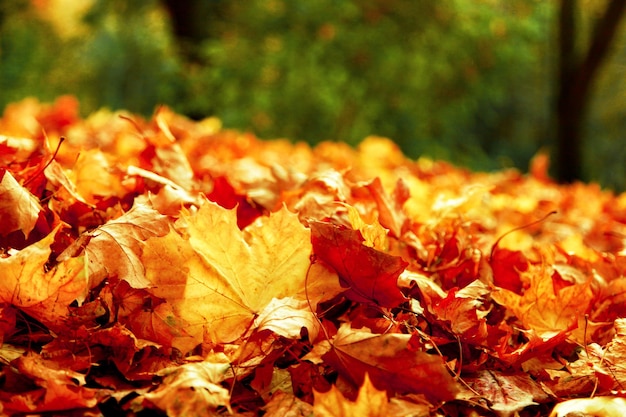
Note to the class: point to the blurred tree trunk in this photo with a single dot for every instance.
(193, 21)
(575, 81)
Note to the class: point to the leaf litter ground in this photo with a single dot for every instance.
(174, 267)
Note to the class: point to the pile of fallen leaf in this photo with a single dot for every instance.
(170, 266)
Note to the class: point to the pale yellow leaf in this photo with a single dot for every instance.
(19, 209)
(591, 407)
(192, 389)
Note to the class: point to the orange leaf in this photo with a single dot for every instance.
(95, 177)
(465, 312)
(43, 293)
(57, 177)
(374, 234)
(55, 389)
(542, 307)
(390, 207)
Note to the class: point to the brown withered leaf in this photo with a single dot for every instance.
(83, 347)
(614, 356)
(318, 195)
(605, 366)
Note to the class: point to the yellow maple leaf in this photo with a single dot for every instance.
(219, 279)
(369, 403)
(545, 308)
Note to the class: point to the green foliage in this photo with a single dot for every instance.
(470, 81)
(129, 52)
(125, 60)
(446, 78)
(26, 55)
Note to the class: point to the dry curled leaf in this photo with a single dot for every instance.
(191, 389)
(113, 250)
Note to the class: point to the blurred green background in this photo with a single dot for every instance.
(469, 81)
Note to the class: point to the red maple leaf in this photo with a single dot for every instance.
(370, 275)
